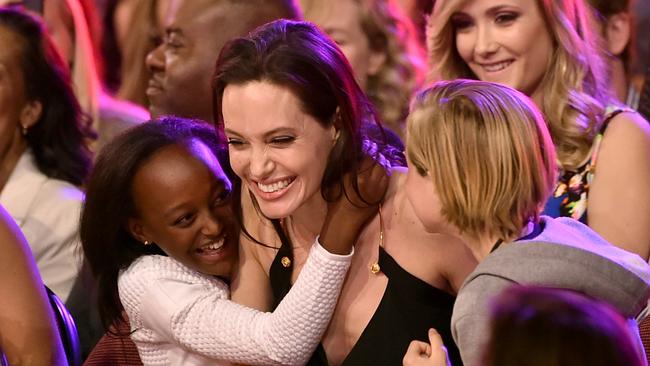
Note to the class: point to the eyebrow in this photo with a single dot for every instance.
(267, 134)
(497, 8)
(490, 11)
(218, 186)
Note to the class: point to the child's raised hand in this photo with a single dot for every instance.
(363, 202)
(350, 209)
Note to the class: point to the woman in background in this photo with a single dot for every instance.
(539, 326)
(382, 46)
(43, 140)
(618, 30)
(549, 51)
(132, 28)
(69, 23)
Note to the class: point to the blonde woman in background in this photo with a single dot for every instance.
(382, 47)
(548, 49)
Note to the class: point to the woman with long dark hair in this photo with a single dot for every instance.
(297, 122)
(43, 143)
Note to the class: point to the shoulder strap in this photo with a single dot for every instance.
(282, 266)
(609, 116)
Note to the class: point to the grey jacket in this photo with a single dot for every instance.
(566, 254)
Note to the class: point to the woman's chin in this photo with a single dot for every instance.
(278, 208)
(276, 213)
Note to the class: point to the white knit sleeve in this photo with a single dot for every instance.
(212, 326)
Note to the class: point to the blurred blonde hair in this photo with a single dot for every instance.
(85, 76)
(488, 151)
(574, 86)
(143, 38)
(391, 32)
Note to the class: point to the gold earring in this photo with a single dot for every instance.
(337, 135)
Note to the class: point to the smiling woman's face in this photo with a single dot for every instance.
(183, 203)
(504, 41)
(279, 151)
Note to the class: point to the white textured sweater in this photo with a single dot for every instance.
(181, 317)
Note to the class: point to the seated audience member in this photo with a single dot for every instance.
(481, 165)
(539, 326)
(132, 29)
(195, 31)
(43, 138)
(296, 123)
(160, 233)
(28, 330)
(69, 23)
(550, 51)
(542, 327)
(418, 11)
(382, 47)
(115, 347)
(641, 69)
(617, 28)
(644, 98)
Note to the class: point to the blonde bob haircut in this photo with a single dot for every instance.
(488, 151)
(575, 83)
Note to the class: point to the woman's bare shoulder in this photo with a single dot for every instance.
(628, 132)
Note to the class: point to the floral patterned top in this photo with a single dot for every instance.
(569, 199)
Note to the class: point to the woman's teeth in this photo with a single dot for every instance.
(497, 67)
(274, 187)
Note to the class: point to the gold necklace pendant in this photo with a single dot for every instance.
(286, 262)
(374, 267)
